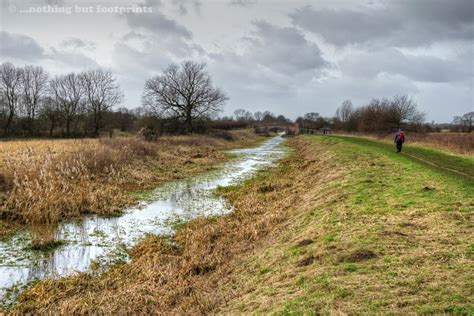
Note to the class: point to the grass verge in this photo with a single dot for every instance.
(391, 235)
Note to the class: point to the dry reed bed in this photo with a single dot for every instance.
(180, 274)
(44, 181)
(457, 142)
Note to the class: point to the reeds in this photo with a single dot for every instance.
(43, 236)
(177, 275)
(43, 182)
(462, 143)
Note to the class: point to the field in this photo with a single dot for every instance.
(45, 181)
(344, 225)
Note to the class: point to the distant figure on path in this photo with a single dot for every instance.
(399, 139)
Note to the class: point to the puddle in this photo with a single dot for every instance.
(96, 238)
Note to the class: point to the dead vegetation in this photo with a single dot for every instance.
(45, 181)
(179, 274)
(462, 143)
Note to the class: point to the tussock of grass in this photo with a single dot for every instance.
(375, 241)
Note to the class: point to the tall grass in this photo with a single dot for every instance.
(457, 142)
(177, 275)
(42, 182)
(46, 188)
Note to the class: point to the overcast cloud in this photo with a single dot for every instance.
(289, 57)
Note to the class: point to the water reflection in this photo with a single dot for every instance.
(94, 237)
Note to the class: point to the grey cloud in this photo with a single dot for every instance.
(416, 67)
(20, 46)
(140, 55)
(25, 48)
(243, 3)
(402, 23)
(284, 49)
(276, 65)
(344, 26)
(157, 23)
(72, 58)
(183, 6)
(74, 42)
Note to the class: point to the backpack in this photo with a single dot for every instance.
(400, 136)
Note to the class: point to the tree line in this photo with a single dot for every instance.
(33, 103)
(380, 115)
(181, 99)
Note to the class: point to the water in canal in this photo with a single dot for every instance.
(95, 238)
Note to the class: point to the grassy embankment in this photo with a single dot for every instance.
(460, 143)
(344, 225)
(45, 181)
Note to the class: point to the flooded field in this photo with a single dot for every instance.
(98, 239)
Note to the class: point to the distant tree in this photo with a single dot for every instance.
(102, 92)
(312, 116)
(281, 118)
(239, 114)
(10, 92)
(124, 119)
(51, 112)
(403, 109)
(67, 92)
(184, 91)
(465, 122)
(258, 116)
(268, 116)
(34, 83)
(248, 117)
(344, 111)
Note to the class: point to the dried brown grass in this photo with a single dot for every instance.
(180, 274)
(457, 142)
(45, 181)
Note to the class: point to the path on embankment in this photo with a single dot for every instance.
(437, 160)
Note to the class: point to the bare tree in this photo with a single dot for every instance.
(51, 112)
(465, 122)
(184, 91)
(310, 120)
(258, 116)
(239, 114)
(312, 116)
(34, 82)
(102, 93)
(344, 111)
(10, 92)
(268, 116)
(403, 109)
(67, 92)
(243, 115)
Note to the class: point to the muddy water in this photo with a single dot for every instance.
(99, 239)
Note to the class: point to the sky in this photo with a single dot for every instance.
(286, 56)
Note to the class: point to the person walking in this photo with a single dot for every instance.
(399, 139)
